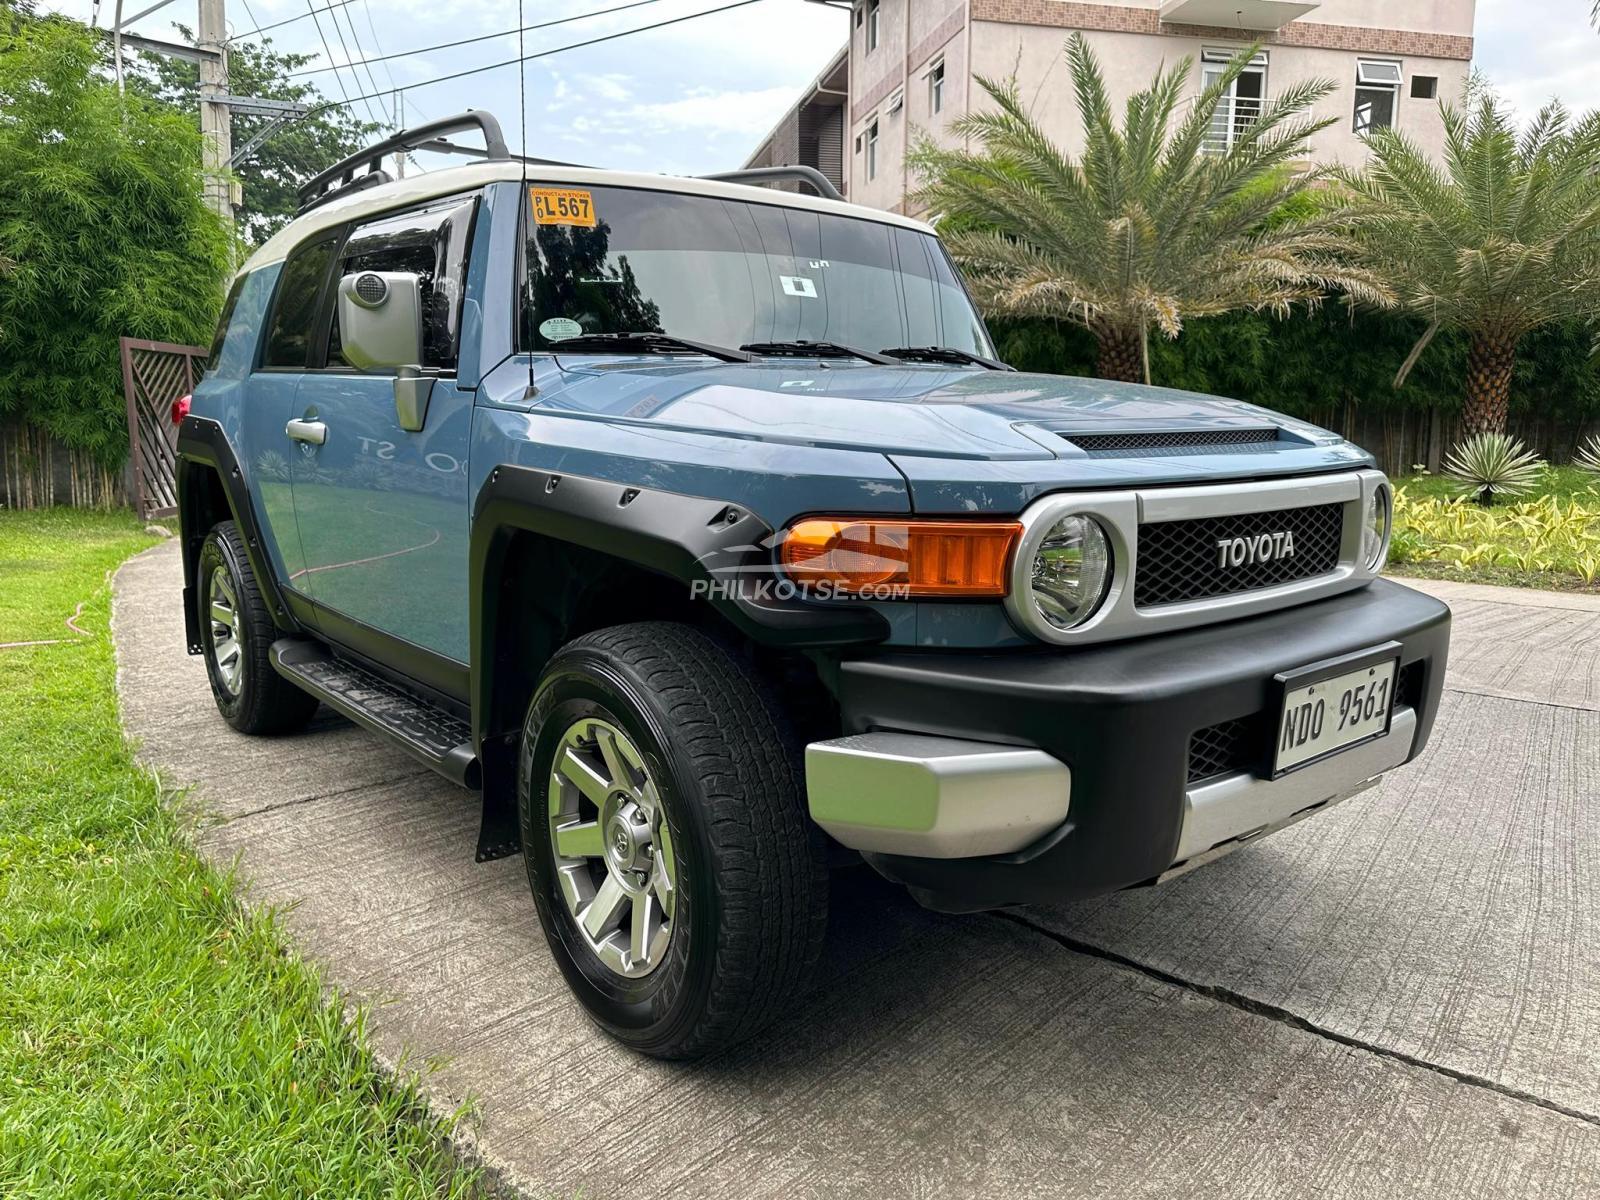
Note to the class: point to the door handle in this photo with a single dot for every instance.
(314, 432)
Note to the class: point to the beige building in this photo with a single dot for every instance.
(910, 66)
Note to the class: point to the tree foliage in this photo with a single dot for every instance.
(1154, 223)
(1499, 240)
(102, 220)
(291, 154)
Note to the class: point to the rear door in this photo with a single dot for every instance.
(382, 512)
(274, 381)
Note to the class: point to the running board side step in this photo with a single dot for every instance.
(432, 736)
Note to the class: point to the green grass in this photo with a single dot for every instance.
(1564, 483)
(156, 1039)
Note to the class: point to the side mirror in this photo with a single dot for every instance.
(380, 325)
(380, 319)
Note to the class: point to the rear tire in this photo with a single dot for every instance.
(648, 747)
(236, 631)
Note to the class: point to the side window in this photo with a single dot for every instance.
(294, 309)
(214, 359)
(430, 243)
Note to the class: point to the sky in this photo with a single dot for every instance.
(700, 95)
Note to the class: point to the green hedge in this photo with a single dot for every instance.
(1337, 367)
(103, 233)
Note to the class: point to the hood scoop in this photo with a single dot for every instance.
(1231, 440)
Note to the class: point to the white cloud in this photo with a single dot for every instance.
(1532, 50)
(614, 87)
(751, 113)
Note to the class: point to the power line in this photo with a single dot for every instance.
(289, 21)
(337, 78)
(541, 54)
(247, 12)
(486, 37)
(372, 80)
(376, 41)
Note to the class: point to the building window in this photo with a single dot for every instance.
(936, 87)
(1377, 93)
(1240, 106)
(897, 101)
(872, 25)
(1424, 87)
(872, 150)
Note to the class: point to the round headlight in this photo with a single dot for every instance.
(1375, 529)
(1070, 571)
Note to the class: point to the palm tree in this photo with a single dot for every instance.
(1502, 238)
(1169, 216)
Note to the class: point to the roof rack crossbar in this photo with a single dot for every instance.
(342, 176)
(823, 185)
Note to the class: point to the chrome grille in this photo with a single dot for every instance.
(1178, 559)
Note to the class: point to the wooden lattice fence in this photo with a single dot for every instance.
(154, 374)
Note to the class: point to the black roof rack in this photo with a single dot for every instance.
(819, 181)
(346, 176)
(342, 177)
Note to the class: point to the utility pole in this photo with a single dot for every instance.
(216, 121)
(400, 123)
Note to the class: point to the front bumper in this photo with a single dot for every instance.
(1118, 719)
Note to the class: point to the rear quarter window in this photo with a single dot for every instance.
(294, 308)
(214, 359)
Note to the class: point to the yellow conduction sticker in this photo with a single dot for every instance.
(562, 206)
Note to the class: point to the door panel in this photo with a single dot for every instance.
(382, 513)
(269, 403)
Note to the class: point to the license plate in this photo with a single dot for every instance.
(1323, 714)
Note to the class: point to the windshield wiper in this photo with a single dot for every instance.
(645, 343)
(804, 349)
(947, 354)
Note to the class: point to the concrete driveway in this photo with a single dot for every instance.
(1399, 998)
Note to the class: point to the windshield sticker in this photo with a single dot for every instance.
(559, 329)
(562, 206)
(798, 285)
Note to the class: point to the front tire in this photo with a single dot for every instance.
(681, 885)
(236, 633)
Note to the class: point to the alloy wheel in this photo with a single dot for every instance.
(227, 651)
(614, 859)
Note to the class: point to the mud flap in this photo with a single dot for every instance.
(499, 833)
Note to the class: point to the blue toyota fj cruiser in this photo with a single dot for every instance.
(693, 525)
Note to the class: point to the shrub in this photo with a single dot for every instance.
(1540, 536)
(102, 219)
(1490, 466)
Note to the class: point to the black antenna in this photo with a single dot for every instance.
(523, 204)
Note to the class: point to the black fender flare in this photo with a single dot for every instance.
(203, 447)
(717, 543)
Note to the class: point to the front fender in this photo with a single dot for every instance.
(718, 548)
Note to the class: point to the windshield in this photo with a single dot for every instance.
(624, 260)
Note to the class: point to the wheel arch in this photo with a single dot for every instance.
(211, 488)
(556, 556)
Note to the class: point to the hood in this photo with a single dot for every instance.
(947, 424)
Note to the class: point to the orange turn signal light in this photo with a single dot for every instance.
(900, 559)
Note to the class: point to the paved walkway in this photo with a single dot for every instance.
(1399, 998)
